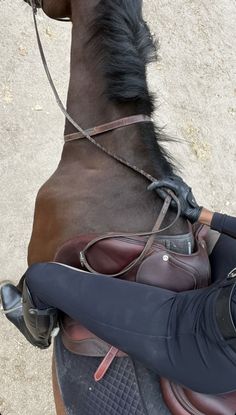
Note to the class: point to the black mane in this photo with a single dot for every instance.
(126, 46)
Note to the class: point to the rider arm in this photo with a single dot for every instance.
(224, 224)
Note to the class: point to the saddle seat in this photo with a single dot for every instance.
(169, 265)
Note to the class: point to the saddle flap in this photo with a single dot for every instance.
(162, 270)
(176, 272)
(77, 339)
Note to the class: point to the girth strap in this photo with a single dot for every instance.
(105, 364)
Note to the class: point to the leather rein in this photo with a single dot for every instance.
(93, 132)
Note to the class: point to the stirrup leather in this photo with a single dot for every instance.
(42, 324)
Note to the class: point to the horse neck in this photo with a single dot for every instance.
(87, 102)
(88, 105)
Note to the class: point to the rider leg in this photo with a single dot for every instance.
(168, 332)
(175, 334)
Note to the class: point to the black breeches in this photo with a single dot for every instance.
(174, 334)
(223, 257)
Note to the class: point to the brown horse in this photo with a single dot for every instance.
(91, 192)
(107, 82)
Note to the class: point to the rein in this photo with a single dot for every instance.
(110, 126)
(99, 130)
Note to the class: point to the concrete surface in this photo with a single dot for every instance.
(195, 82)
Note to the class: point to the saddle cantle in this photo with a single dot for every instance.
(182, 401)
(162, 267)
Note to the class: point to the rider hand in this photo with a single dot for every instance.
(189, 207)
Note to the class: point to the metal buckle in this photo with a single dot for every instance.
(35, 4)
(231, 274)
(10, 310)
(82, 258)
(55, 332)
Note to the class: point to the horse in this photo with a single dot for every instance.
(92, 193)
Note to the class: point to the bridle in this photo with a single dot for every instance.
(89, 134)
(38, 4)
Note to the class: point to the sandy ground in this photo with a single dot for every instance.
(195, 82)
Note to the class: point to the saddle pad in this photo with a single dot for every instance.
(127, 389)
(182, 401)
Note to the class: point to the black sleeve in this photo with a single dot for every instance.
(224, 224)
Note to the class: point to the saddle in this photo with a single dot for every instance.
(162, 267)
(182, 401)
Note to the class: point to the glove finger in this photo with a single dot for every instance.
(163, 195)
(155, 185)
(163, 183)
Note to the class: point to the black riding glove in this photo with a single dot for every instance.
(189, 207)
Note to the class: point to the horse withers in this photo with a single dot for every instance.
(92, 193)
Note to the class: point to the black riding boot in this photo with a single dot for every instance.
(38, 326)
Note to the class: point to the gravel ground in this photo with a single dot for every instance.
(195, 82)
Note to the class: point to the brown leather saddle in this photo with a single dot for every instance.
(162, 267)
